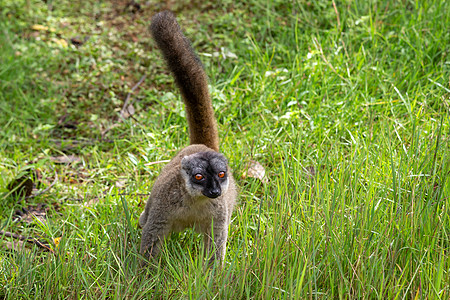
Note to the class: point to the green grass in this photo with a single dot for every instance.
(345, 103)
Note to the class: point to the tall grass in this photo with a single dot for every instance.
(344, 103)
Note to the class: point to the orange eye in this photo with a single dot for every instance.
(198, 176)
(221, 174)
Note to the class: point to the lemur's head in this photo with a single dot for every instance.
(205, 174)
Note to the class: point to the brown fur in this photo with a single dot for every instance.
(178, 201)
(189, 77)
(171, 208)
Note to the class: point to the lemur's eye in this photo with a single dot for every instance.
(221, 174)
(198, 176)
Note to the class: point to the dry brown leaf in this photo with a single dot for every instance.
(65, 159)
(255, 170)
(127, 111)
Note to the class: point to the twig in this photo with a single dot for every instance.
(156, 162)
(80, 142)
(125, 105)
(134, 194)
(35, 241)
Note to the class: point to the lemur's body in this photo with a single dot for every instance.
(196, 188)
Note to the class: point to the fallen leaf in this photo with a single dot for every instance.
(60, 42)
(255, 170)
(39, 27)
(65, 159)
(127, 111)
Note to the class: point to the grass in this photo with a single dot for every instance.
(345, 103)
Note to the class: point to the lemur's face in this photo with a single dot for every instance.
(205, 174)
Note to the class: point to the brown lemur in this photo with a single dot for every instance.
(196, 188)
